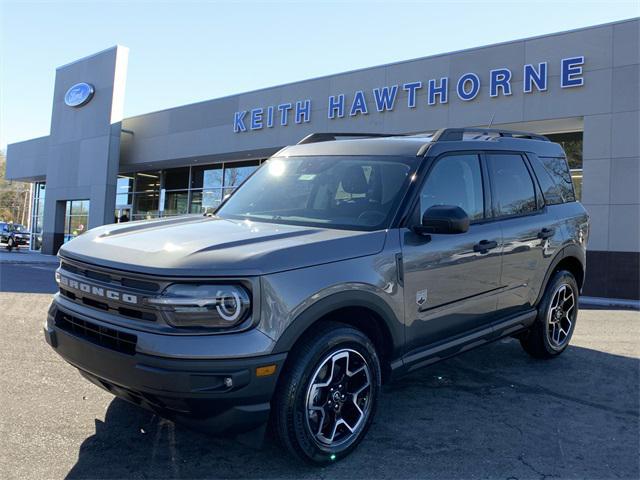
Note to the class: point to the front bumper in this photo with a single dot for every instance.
(193, 391)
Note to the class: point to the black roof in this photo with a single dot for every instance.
(448, 139)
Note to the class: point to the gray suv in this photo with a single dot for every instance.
(343, 261)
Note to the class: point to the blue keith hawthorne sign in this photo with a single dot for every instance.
(435, 91)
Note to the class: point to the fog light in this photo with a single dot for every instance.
(228, 382)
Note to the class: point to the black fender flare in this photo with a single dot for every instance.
(353, 298)
(573, 251)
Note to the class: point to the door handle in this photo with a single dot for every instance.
(546, 233)
(484, 246)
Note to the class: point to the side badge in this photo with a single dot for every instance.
(421, 297)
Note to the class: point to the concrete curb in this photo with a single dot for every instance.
(610, 302)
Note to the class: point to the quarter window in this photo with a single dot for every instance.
(455, 180)
(513, 189)
(558, 170)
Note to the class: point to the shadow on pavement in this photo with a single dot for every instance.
(492, 412)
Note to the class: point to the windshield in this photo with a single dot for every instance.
(360, 193)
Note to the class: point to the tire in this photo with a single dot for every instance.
(10, 244)
(553, 328)
(308, 381)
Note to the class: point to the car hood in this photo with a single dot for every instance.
(212, 246)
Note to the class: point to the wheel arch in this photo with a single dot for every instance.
(571, 258)
(364, 311)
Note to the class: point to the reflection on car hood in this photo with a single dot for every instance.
(212, 246)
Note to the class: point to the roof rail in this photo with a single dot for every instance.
(328, 137)
(456, 134)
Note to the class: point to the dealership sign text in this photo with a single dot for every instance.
(433, 92)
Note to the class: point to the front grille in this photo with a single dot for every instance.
(97, 334)
(137, 314)
(112, 278)
(107, 280)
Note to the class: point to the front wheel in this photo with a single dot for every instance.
(328, 394)
(10, 244)
(551, 332)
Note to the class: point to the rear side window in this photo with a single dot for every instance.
(513, 189)
(555, 179)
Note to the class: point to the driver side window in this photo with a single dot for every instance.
(455, 180)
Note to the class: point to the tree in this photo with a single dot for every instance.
(14, 197)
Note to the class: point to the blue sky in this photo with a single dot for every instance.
(187, 51)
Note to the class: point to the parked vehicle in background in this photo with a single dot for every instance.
(13, 235)
(340, 263)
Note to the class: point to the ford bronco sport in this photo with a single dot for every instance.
(343, 261)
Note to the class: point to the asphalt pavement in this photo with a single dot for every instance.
(490, 413)
(33, 278)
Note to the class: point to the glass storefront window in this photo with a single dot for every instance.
(147, 181)
(124, 189)
(176, 203)
(209, 176)
(197, 189)
(76, 218)
(211, 199)
(145, 205)
(78, 207)
(236, 173)
(37, 215)
(205, 201)
(176, 178)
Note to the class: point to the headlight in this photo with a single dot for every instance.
(218, 306)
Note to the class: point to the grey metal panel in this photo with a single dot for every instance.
(624, 134)
(481, 60)
(27, 161)
(597, 137)
(626, 85)
(593, 97)
(625, 43)
(599, 226)
(595, 43)
(502, 109)
(624, 227)
(625, 175)
(595, 181)
(84, 144)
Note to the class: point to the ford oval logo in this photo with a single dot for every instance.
(79, 94)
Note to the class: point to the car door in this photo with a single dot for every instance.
(530, 232)
(450, 280)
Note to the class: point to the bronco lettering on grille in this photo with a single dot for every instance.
(98, 291)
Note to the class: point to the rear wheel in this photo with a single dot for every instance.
(328, 394)
(549, 336)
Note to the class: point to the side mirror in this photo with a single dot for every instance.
(443, 219)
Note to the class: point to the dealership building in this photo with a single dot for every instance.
(580, 88)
